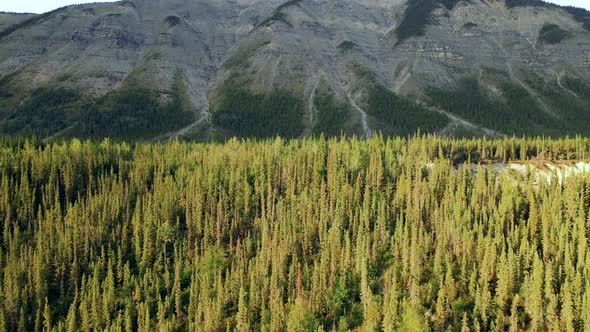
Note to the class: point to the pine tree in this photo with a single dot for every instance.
(300, 319)
(412, 319)
(390, 306)
(3, 323)
(243, 316)
(72, 324)
(567, 309)
(128, 319)
(534, 297)
(514, 319)
(22, 323)
(465, 323)
(46, 317)
(177, 291)
(312, 234)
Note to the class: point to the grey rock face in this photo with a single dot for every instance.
(264, 46)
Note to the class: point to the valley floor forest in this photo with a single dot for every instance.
(410, 234)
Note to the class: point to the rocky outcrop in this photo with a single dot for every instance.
(204, 53)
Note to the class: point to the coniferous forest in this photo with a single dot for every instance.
(414, 234)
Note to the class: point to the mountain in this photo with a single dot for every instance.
(155, 69)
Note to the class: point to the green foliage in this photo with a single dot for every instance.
(398, 115)
(466, 132)
(130, 112)
(528, 3)
(341, 302)
(12, 92)
(240, 56)
(287, 4)
(572, 110)
(578, 86)
(416, 19)
(401, 116)
(137, 112)
(46, 111)
(347, 45)
(278, 14)
(418, 16)
(552, 34)
(300, 235)
(7, 90)
(244, 114)
(333, 116)
(469, 25)
(413, 320)
(514, 112)
(581, 15)
(392, 114)
(301, 319)
(172, 20)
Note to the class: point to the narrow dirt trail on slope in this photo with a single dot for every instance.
(181, 132)
(366, 129)
(335, 80)
(563, 87)
(532, 92)
(544, 107)
(55, 135)
(346, 92)
(311, 110)
(205, 117)
(457, 120)
(527, 88)
(500, 16)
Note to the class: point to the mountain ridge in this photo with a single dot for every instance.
(216, 68)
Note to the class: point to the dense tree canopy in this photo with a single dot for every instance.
(301, 235)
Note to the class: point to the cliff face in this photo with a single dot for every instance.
(218, 68)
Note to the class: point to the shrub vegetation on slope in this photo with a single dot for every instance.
(516, 111)
(334, 117)
(46, 111)
(552, 34)
(393, 114)
(418, 16)
(242, 113)
(130, 112)
(135, 112)
(397, 115)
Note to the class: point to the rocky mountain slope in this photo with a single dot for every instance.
(217, 68)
